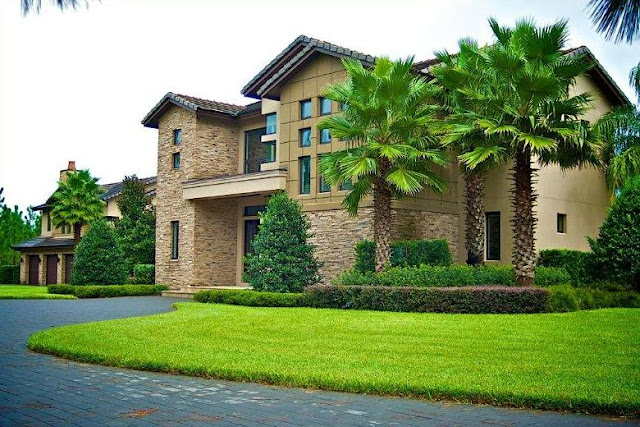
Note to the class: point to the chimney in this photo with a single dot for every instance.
(70, 168)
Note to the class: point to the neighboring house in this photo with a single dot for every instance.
(218, 163)
(48, 259)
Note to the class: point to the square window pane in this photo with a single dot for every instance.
(325, 136)
(325, 106)
(305, 137)
(305, 109)
(305, 174)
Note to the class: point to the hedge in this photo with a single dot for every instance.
(404, 253)
(455, 275)
(144, 274)
(108, 291)
(488, 299)
(567, 298)
(250, 298)
(9, 274)
(578, 264)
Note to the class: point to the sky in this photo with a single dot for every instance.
(75, 85)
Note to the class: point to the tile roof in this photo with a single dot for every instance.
(115, 188)
(44, 242)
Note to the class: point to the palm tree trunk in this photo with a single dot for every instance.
(77, 233)
(382, 224)
(474, 232)
(524, 221)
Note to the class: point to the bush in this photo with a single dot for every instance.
(107, 291)
(567, 298)
(281, 260)
(578, 264)
(406, 253)
(144, 274)
(490, 299)
(455, 275)
(250, 298)
(99, 259)
(9, 274)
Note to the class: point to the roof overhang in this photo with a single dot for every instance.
(246, 184)
(44, 243)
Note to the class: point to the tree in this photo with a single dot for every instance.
(390, 153)
(15, 228)
(617, 19)
(136, 230)
(524, 101)
(281, 259)
(99, 259)
(30, 5)
(77, 202)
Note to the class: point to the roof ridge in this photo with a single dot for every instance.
(179, 95)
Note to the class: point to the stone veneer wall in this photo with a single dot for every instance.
(414, 224)
(42, 273)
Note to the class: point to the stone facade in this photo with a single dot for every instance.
(414, 224)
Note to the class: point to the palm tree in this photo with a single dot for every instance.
(77, 202)
(390, 153)
(634, 79)
(617, 19)
(525, 104)
(30, 5)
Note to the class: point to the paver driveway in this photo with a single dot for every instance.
(41, 390)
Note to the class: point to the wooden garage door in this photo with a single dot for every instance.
(52, 269)
(34, 269)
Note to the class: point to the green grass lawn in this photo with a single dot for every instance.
(29, 292)
(581, 361)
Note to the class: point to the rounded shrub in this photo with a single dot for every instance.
(99, 259)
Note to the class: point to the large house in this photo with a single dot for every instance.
(218, 163)
(48, 258)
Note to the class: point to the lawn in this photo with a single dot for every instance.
(29, 292)
(582, 361)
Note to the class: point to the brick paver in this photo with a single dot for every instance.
(40, 390)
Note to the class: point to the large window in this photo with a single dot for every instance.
(177, 136)
(305, 109)
(325, 136)
(176, 160)
(325, 106)
(305, 174)
(272, 123)
(255, 151)
(175, 236)
(561, 221)
(305, 137)
(493, 235)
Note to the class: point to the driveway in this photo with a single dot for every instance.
(42, 390)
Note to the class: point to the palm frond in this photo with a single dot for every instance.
(616, 19)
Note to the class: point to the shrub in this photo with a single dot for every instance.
(578, 264)
(107, 291)
(550, 276)
(250, 298)
(281, 259)
(404, 253)
(616, 252)
(567, 298)
(144, 274)
(490, 299)
(99, 259)
(9, 274)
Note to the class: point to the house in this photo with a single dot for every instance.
(218, 163)
(48, 259)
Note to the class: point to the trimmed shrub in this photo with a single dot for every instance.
(407, 253)
(99, 259)
(489, 299)
(567, 298)
(109, 291)
(250, 298)
(578, 264)
(144, 274)
(9, 274)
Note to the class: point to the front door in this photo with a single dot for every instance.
(68, 262)
(34, 269)
(250, 231)
(52, 269)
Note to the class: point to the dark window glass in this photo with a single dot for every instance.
(346, 185)
(493, 235)
(176, 160)
(305, 109)
(305, 137)
(254, 150)
(325, 136)
(177, 136)
(175, 236)
(305, 174)
(343, 106)
(272, 123)
(269, 151)
(325, 106)
(323, 185)
(48, 222)
(562, 223)
(253, 210)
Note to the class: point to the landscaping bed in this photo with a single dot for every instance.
(108, 291)
(29, 292)
(582, 361)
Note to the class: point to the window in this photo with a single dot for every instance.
(323, 185)
(346, 185)
(176, 160)
(272, 123)
(48, 222)
(65, 228)
(305, 174)
(175, 236)
(269, 151)
(343, 106)
(305, 109)
(305, 137)
(561, 223)
(325, 136)
(254, 150)
(493, 235)
(325, 106)
(253, 210)
(177, 136)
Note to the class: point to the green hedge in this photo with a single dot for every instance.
(250, 298)
(568, 298)
(455, 275)
(9, 274)
(578, 264)
(144, 274)
(404, 253)
(489, 299)
(108, 291)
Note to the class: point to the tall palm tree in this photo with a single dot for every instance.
(390, 153)
(77, 202)
(31, 5)
(617, 19)
(525, 101)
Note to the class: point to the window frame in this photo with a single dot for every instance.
(322, 103)
(489, 255)
(321, 179)
(177, 136)
(301, 186)
(300, 139)
(561, 223)
(175, 156)
(304, 103)
(346, 185)
(175, 240)
(275, 125)
(321, 136)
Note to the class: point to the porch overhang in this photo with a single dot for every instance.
(246, 184)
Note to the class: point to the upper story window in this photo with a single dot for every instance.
(561, 222)
(177, 136)
(176, 160)
(305, 137)
(325, 106)
(175, 236)
(323, 185)
(305, 174)
(343, 106)
(305, 109)
(48, 222)
(272, 123)
(325, 136)
(346, 185)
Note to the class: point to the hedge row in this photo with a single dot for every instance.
(9, 274)
(567, 298)
(579, 265)
(251, 298)
(454, 275)
(403, 253)
(107, 291)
